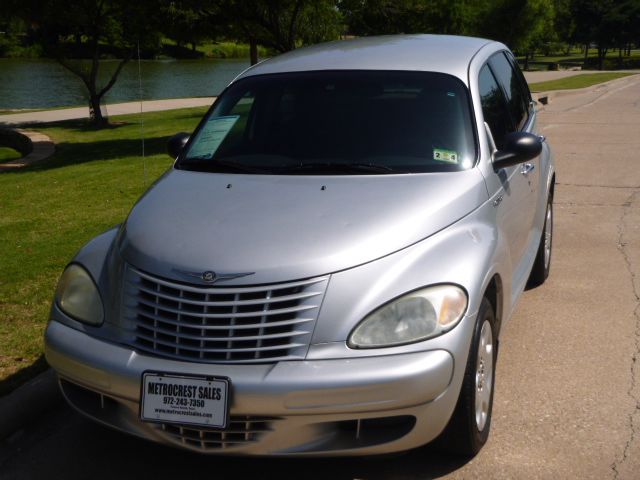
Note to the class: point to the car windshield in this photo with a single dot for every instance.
(336, 123)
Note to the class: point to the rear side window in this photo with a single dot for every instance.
(517, 97)
(494, 107)
(522, 82)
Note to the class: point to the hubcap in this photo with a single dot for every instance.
(548, 233)
(484, 375)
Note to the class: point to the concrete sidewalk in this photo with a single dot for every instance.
(45, 116)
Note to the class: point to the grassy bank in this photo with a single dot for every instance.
(50, 211)
(168, 48)
(576, 81)
(231, 50)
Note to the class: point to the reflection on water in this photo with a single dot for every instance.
(40, 83)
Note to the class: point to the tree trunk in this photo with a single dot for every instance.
(526, 61)
(253, 50)
(293, 25)
(602, 52)
(95, 112)
(586, 52)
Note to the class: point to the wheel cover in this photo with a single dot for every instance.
(548, 236)
(484, 375)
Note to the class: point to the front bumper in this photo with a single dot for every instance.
(353, 406)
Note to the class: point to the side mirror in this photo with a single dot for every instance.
(177, 143)
(518, 147)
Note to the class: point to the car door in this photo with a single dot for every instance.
(536, 168)
(511, 185)
(522, 114)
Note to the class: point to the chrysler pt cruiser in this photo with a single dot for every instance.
(327, 266)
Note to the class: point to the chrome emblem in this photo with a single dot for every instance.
(209, 276)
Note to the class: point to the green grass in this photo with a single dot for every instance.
(230, 50)
(225, 49)
(12, 111)
(576, 81)
(8, 154)
(50, 210)
(577, 56)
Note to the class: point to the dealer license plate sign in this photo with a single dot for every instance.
(185, 400)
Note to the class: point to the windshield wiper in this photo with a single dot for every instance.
(327, 167)
(221, 166)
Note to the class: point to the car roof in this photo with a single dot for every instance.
(433, 53)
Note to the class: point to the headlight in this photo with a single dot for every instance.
(413, 317)
(78, 296)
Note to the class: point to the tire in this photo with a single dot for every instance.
(542, 263)
(468, 429)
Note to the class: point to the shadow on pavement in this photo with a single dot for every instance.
(72, 447)
(18, 378)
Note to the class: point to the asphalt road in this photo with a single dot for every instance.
(567, 401)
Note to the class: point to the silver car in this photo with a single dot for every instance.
(327, 267)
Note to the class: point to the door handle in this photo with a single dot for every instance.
(526, 168)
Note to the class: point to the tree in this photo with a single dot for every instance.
(183, 22)
(91, 29)
(594, 24)
(374, 17)
(522, 25)
(379, 17)
(281, 25)
(624, 20)
(563, 25)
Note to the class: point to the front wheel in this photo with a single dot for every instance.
(542, 263)
(468, 429)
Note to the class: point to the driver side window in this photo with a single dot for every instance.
(494, 109)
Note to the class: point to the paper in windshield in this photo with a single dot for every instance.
(211, 136)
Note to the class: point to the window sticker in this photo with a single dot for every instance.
(211, 136)
(442, 155)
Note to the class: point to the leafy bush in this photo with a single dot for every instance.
(12, 47)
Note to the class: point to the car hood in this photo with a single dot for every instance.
(281, 228)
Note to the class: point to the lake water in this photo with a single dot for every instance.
(39, 83)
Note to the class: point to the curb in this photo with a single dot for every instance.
(43, 149)
(547, 96)
(28, 402)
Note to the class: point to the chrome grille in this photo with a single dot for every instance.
(242, 430)
(222, 324)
